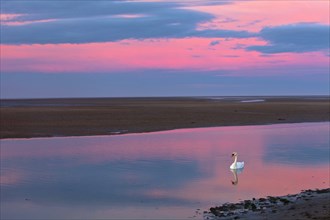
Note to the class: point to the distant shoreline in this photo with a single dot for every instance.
(28, 118)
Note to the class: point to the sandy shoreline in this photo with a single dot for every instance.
(108, 116)
(309, 204)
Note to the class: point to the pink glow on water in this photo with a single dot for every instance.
(187, 165)
(283, 183)
(10, 177)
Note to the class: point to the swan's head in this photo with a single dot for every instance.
(234, 154)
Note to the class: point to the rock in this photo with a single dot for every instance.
(272, 199)
(318, 191)
(253, 207)
(214, 211)
(285, 201)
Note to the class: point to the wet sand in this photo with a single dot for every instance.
(309, 204)
(109, 116)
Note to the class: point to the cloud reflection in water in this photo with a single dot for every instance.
(168, 174)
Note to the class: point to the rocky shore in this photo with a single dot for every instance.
(309, 204)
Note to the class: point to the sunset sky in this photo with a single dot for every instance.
(63, 48)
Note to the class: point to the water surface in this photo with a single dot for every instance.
(166, 175)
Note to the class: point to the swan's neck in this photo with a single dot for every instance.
(235, 161)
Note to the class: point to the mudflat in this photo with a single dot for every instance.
(27, 118)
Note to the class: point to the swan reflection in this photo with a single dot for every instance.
(235, 174)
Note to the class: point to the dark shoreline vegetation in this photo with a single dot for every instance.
(28, 118)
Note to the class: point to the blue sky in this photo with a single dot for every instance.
(101, 48)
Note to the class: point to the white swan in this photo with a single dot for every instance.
(236, 165)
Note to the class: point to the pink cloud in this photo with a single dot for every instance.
(17, 23)
(129, 55)
(253, 15)
(9, 19)
(194, 54)
(6, 17)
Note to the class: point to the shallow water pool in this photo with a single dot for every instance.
(163, 175)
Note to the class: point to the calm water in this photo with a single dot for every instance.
(167, 175)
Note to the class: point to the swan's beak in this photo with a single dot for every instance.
(232, 155)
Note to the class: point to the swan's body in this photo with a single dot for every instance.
(236, 165)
